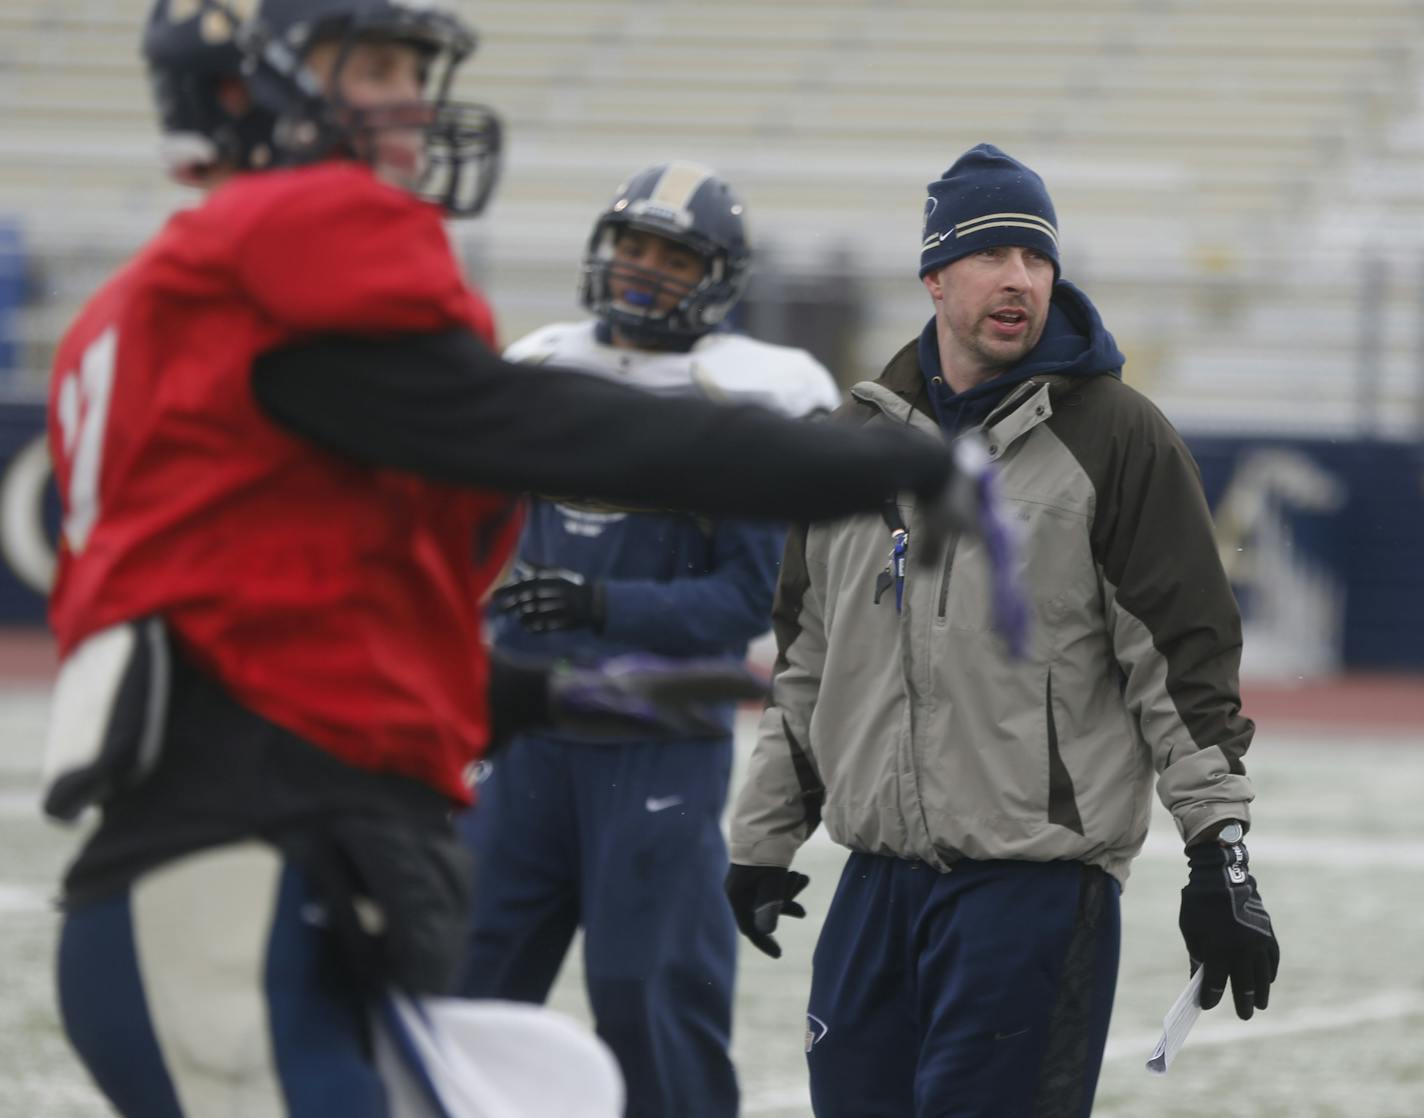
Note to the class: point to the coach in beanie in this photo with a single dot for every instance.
(988, 198)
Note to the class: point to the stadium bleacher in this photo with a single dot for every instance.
(1237, 180)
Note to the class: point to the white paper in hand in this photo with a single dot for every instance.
(1176, 1025)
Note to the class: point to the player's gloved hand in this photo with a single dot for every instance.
(547, 599)
(760, 896)
(1226, 928)
(969, 502)
(646, 696)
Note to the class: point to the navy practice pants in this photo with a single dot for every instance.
(209, 986)
(984, 992)
(625, 841)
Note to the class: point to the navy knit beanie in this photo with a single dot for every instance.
(986, 199)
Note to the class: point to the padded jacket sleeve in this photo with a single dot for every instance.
(779, 804)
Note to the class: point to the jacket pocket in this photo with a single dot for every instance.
(1062, 798)
(942, 592)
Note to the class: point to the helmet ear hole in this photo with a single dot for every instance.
(232, 96)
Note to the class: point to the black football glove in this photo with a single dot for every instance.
(760, 896)
(548, 599)
(642, 696)
(1226, 927)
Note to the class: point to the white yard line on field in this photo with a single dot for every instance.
(1339, 851)
(1389, 1005)
(773, 1100)
(1316, 851)
(1342, 851)
(24, 899)
(18, 764)
(23, 804)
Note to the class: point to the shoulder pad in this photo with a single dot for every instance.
(788, 380)
(559, 343)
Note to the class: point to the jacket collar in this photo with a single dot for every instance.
(1023, 409)
(900, 395)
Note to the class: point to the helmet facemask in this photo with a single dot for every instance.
(201, 52)
(691, 207)
(445, 151)
(696, 308)
(642, 299)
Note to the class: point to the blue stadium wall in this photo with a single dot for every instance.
(1371, 540)
(29, 513)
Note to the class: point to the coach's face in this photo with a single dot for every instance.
(992, 306)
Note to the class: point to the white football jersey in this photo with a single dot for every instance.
(719, 366)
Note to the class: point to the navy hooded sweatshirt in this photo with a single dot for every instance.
(1074, 343)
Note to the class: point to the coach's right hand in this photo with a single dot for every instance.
(760, 896)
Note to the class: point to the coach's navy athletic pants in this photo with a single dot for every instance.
(209, 986)
(983, 992)
(625, 841)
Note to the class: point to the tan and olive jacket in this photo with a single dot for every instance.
(915, 733)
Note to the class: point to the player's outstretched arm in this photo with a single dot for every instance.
(446, 406)
(635, 697)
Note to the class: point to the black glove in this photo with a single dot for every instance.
(546, 599)
(1226, 927)
(761, 895)
(642, 696)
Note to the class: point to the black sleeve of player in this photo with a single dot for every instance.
(518, 699)
(446, 406)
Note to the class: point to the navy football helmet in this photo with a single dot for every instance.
(193, 46)
(691, 206)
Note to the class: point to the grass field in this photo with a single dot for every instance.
(1338, 849)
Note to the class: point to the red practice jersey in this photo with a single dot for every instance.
(338, 600)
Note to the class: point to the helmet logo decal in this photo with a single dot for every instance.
(220, 22)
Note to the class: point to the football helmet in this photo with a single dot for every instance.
(192, 46)
(693, 207)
